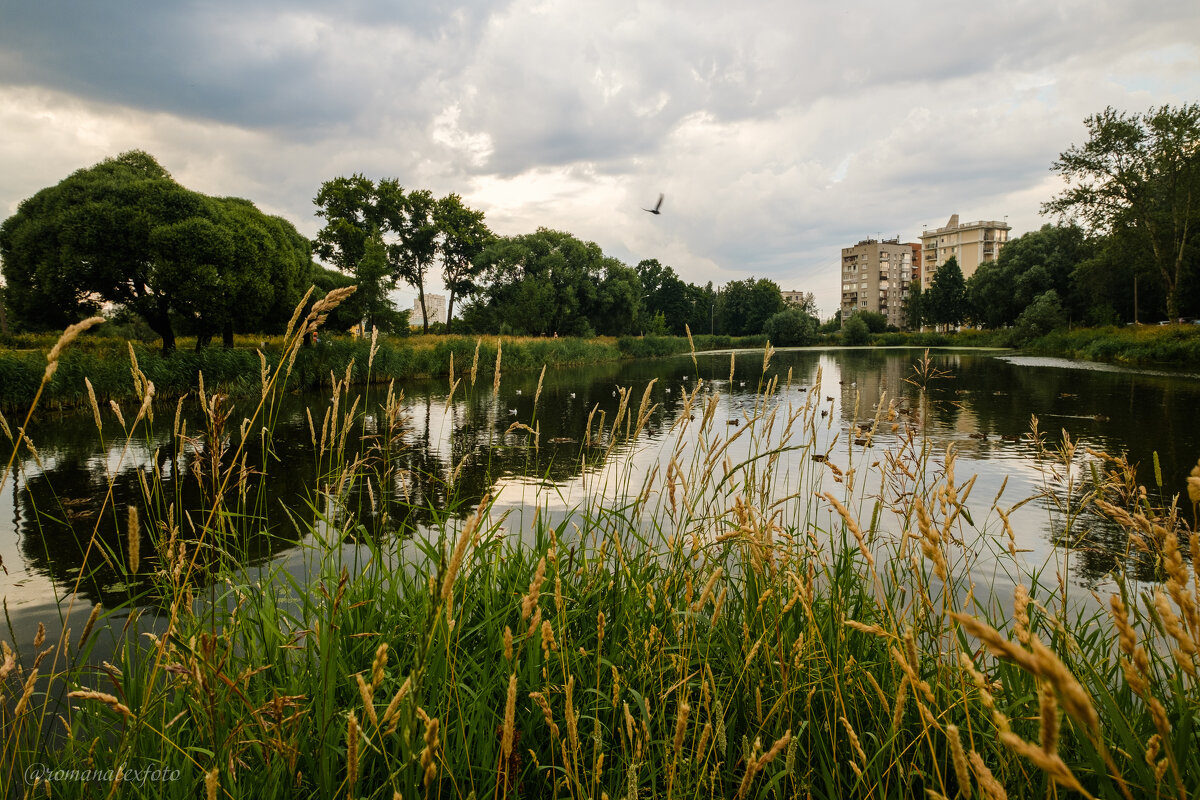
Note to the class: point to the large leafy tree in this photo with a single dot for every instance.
(550, 282)
(414, 253)
(745, 306)
(358, 213)
(1140, 174)
(946, 301)
(462, 237)
(124, 232)
(665, 294)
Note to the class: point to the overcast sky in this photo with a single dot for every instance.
(780, 132)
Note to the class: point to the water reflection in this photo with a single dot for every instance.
(64, 515)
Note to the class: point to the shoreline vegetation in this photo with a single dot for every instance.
(719, 629)
(105, 361)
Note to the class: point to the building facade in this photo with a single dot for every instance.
(435, 304)
(875, 277)
(796, 298)
(972, 243)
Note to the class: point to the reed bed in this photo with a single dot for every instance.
(759, 617)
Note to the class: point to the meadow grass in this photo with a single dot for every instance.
(719, 627)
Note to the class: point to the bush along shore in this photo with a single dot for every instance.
(105, 363)
(757, 618)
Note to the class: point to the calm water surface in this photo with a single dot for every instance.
(51, 507)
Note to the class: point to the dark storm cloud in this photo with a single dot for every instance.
(292, 66)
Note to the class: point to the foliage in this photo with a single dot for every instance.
(946, 301)
(1138, 175)
(876, 322)
(914, 307)
(1029, 266)
(462, 238)
(855, 331)
(791, 328)
(743, 307)
(124, 232)
(550, 283)
(1043, 315)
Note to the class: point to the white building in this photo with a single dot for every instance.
(435, 304)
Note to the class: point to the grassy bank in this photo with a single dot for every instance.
(106, 362)
(1177, 345)
(715, 629)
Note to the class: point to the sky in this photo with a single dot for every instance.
(779, 132)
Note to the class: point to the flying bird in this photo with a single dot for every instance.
(657, 205)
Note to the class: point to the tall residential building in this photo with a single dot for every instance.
(875, 277)
(435, 304)
(971, 242)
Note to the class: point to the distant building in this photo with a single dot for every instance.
(875, 277)
(971, 242)
(794, 298)
(435, 304)
(916, 262)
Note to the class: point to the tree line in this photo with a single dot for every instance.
(124, 235)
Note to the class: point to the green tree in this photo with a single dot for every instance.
(462, 237)
(745, 306)
(855, 331)
(1043, 315)
(876, 322)
(914, 307)
(550, 282)
(417, 247)
(791, 328)
(124, 232)
(946, 301)
(1140, 173)
(665, 294)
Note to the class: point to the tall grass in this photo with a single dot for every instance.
(757, 617)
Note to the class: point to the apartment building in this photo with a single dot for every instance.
(796, 298)
(875, 277)
(971, 242)
(435, 304)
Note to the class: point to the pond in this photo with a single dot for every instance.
(75, 490)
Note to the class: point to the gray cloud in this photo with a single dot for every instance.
(779, 131)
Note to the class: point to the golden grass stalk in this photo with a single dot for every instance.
(538, 394)
(680, 728)
(988, 785)
(475, 362)
(351, 752)
(510, 712)
(535, 586)
(544, 705)
(103, 697)
(366, 692)
(1050, 763)
(960, 761)
(572, 721)
(1038, 661)
(496, 374)
(460, 548)
(1048, 706)
(27, 692)
(391, 715)
(69, 335)
(211, 783)
(40, 637)
(134, 536)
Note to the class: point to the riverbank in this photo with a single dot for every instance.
(238, 371)
(1160, 345)
(717, 629)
